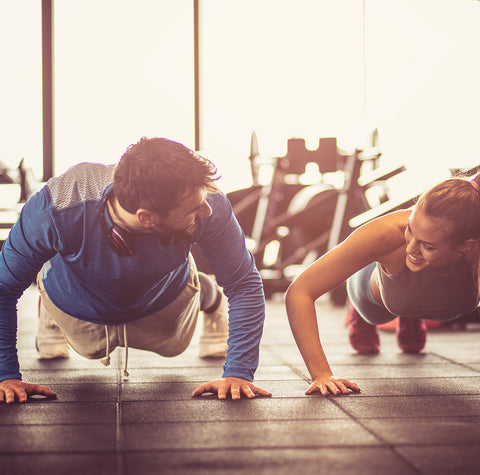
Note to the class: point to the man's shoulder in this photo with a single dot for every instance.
(82, 182)
(218, 199)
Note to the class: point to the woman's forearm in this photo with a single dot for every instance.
(303, 322)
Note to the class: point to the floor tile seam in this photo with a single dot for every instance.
(306, 378)
(115, 369)
(359, 420)
(423, 445)
(277, 397)
(347, 413)
(299, 373)
(376, 436)
(172, 367)
(56, 401)
(386, 396)
(468, 363)
(405, 459)
(362, 378)
(256, 448)
(57, 452)
(468, 376)
(469, 417)
(88, 383)
(249, 448)
(73, 401)
(401, 365)
(274, 397)
(397, 447)
(190, 449)
(119, 425)
(135, 369)
(119, 460)
(71, 373)
(450, 360)
(470, 367)
(210, 398)
(59, 424)
(199, 381)
(223, 421)
(282, 360)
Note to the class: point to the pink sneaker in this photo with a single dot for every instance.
(411, 334)
(363, 336)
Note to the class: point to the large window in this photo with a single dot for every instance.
(123, 70)
(310, 68)
(281, 68)
(21, 84)
(423, 72)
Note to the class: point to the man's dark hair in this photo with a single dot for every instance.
(156, 173)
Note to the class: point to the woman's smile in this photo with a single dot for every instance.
(415, 260)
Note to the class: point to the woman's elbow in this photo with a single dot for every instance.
(290, 292)
(302, 289)
(295, 291)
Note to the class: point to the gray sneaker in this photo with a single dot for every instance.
(50, 341)
(213, 341)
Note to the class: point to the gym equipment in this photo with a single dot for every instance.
(16, 186)
(289, 222)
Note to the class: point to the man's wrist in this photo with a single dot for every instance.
(241, 374)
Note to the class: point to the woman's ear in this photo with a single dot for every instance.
(469, 245)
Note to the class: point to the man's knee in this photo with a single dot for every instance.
(210, 293)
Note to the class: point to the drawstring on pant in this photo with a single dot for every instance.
(125, 372)
(106, 360)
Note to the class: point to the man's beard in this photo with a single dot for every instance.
(168, 236)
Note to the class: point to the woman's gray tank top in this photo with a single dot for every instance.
(433, 293)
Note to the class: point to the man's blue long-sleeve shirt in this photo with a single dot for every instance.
(61, 225)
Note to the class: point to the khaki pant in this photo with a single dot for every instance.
(167, 332)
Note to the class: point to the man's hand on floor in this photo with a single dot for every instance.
(16, 389)
(235, 386)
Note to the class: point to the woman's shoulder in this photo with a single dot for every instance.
(394, 222)
(384, 234)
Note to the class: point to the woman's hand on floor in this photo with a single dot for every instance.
(332, 385)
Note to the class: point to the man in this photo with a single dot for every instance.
(111, 247)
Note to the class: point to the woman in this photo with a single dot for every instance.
(417, 264)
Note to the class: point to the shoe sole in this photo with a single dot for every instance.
(50, 356)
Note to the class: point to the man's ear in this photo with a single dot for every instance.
(144, 217)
